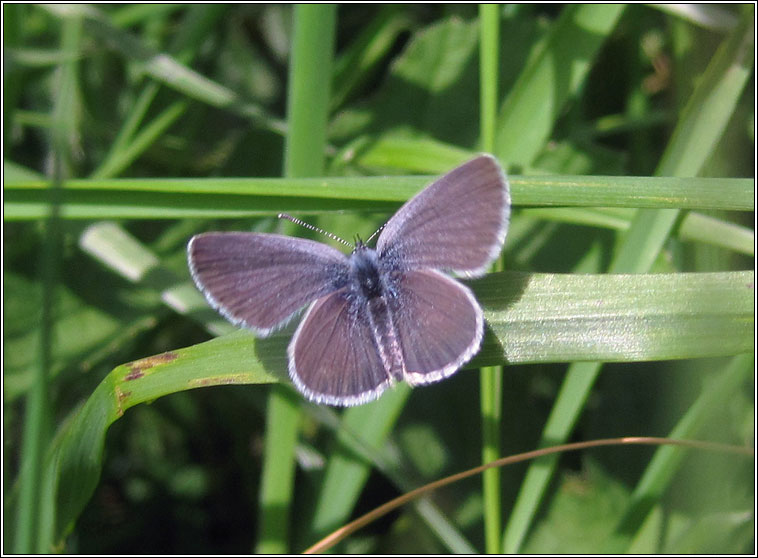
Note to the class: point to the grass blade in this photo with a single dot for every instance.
(308, 111)
(246, 197)
(491, 377)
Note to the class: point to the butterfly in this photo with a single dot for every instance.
(379, 315)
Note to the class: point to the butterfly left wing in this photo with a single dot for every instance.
(261, 280)
(333, 356)
(438, 325)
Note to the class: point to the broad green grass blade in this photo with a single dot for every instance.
(675, 315)
(537, 318)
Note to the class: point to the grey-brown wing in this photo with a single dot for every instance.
(333, 356)
(438, 325)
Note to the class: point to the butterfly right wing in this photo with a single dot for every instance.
(260, 281)
(457, 223)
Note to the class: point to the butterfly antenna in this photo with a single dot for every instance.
(316, 229)
(380, 229)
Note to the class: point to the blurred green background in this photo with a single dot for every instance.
(112, 100)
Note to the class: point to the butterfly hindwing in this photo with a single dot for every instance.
(334, 357)
(438, 325)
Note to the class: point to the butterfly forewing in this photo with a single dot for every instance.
(458, 223)
(438, 324)
(261, 280)
(333, 357)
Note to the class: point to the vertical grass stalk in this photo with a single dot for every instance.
(34, 504)
(307, 113)
(491, 377)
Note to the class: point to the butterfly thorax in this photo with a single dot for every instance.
(364, 266)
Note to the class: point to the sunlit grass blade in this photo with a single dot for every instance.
(536, 318)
